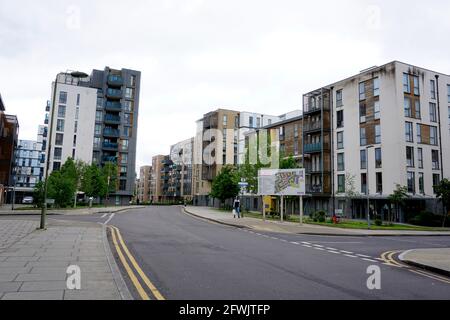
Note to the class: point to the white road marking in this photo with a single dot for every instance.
(363, 256)
(104, 215)
(333, 249)
(335, 252)
(348, 252)
(317, 245)
(321, 249)
(304, 242)
(350, 256)
(305, 245)
(295, 242)
(109, 219)
(370, 260)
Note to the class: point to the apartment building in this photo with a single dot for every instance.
(365, 134)
(9, 133)
(157, 178)
(144, 184)
(181, 180)
(96, 121)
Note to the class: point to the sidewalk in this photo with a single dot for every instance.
(6, 210)
(290, 227)
(436, 260)
(33, 263)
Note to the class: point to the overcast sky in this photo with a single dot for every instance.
(199, 55)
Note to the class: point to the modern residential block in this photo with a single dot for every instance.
(144, 184)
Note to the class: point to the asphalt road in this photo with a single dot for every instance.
(189, 258)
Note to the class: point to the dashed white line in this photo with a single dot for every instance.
(109, 219)
(307, 246)
(333, 249)
(293, 242)
(335, 252)
(363, 256)
(347, 252)
(370, 260)
(304, 242)
(104, 215)
(317, 245)
(350, 256)
(317, 248)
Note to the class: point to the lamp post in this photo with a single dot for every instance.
(74, 74)
(368, 188)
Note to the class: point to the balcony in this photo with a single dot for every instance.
(113, 106)
(315, 126)
(114, 93)
(316, 188)
(109, 132)
(115, 81)
(313, 147)
(112, 159)
(47, 107)
(111, 118)
(312, 109)
(110, 146)
(313, 169)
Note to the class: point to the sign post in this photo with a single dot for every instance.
(264, 208)
(301, 210)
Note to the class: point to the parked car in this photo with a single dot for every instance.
(27, 200)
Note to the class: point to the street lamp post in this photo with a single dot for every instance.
(74, 74)
(368, 186)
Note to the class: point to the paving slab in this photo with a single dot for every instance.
(36, 295)
(436, 259)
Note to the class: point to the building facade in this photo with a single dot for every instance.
(144, 184)
(157, 178)
(181, 181)
(365, 135)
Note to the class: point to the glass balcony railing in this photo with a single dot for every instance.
(111, 132)
(313, 147)
(110, 146)
(316, 188)
(113, 106)
(112, 118)
(112, 159)
(115, 80)
(114, 93)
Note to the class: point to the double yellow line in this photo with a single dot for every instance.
(119, 243)
(388, 259)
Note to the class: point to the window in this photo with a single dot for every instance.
(378, 160)
(410, 157)
(123, 185)
(362, 91)
(379, 182)
(96, 142)
(417, 104)
(340, 140)
(362, 136)
(421, 183)
(98, 129)
(416, 85)
(77, 112)
(269, 122)
(419, 132)
(56, 166)
(127, 131)
(448, 93)
(409, 132)
(59, 139)
(340, 119)
(57, 154)
(129, 93)
(433, 89)
(99, 116)
(340, 162)
(125, 145)
(74, 141)
(435, 159)
(420, 158)
(281, 132)
(250, 122)
(377, 110)
(225, 120)
(75, 127)
(411, 182)
(99, 102)
(362, 113)
(123, 171)
(341, 183)
(433, 136)
(127, 118)
(295, 130)
(60, 125)
(123, 158)
(436, 180)
(296, 147)
(73, 153)
(406, 83)
(133, 80)
(433, 117)
(407, 107)
(129, 106)
(376, 87)
(78, 99)
(363, 183)
(63, 97)
(363, 159)
(61, 111)
(258, 122)
(339, 98)
(377, 134)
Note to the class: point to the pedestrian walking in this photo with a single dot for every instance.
(237, 207)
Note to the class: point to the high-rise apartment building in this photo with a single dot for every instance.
(144, 184)
(387, 125)
(158, 175)
(96, 121)
(181, 155)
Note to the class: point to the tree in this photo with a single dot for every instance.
(93, 183)
(288, 163)
(398, 198)
(443, 194)
(225, 185)
(109, 174)
(38, 194)
(62, 184)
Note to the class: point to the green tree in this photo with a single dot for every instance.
(38, 194)
(288, 163)
(109, 175)
(443, 194)
(225, 185)
(62, 184)
(93, 183)
(398, 198)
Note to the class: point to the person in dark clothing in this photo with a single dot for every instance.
(237, 207)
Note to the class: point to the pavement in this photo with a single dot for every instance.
(33, 263)
(295, 228)
(437, 260)
(6, 210)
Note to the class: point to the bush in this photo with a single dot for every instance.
(378, 222)
(426, 218)
(319, 216)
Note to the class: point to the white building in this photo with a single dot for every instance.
(73, 121)
(389, 125)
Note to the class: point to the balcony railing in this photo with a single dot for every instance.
(316, 188)
(47, 107)
(114, 93)
(115, 80)
(113, 106)
(313, 126)
(108, 132)
(112, 159)
(110, 146)
(313, 147)
(111, 118)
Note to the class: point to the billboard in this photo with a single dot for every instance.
(281, 182)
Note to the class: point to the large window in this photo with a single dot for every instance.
(341, 183)
(377, 110)
(78, 99)
(406, 83)
(376, 87)
(123, 158)
(410, 156)
(419, 132)
(420, 158)
(128, 106)
(362, 113)
(99, 116)
(362, 136)
(433, 136)
(339, 98)
(433, 117)
(225, 120)
(421, 183)
(129, 93)
(378, 160)
(407, 107)
(340, 162)
(61, 111)
(250, 122)
(411, 182)
(59, 139)
(436, 180)
(435, 159)
(363, 183)
(448, 93)
(96, 142)
(433, 89)
(60, 125)
(377, 134)
(409, 132)
(63, 97)
(125, 145)
(362, 91)
(98, 129)
(417, 109)
(379, 182)
(340, 140)
(57, 154)
(340, 118)
(363, 159)
(416, 85)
